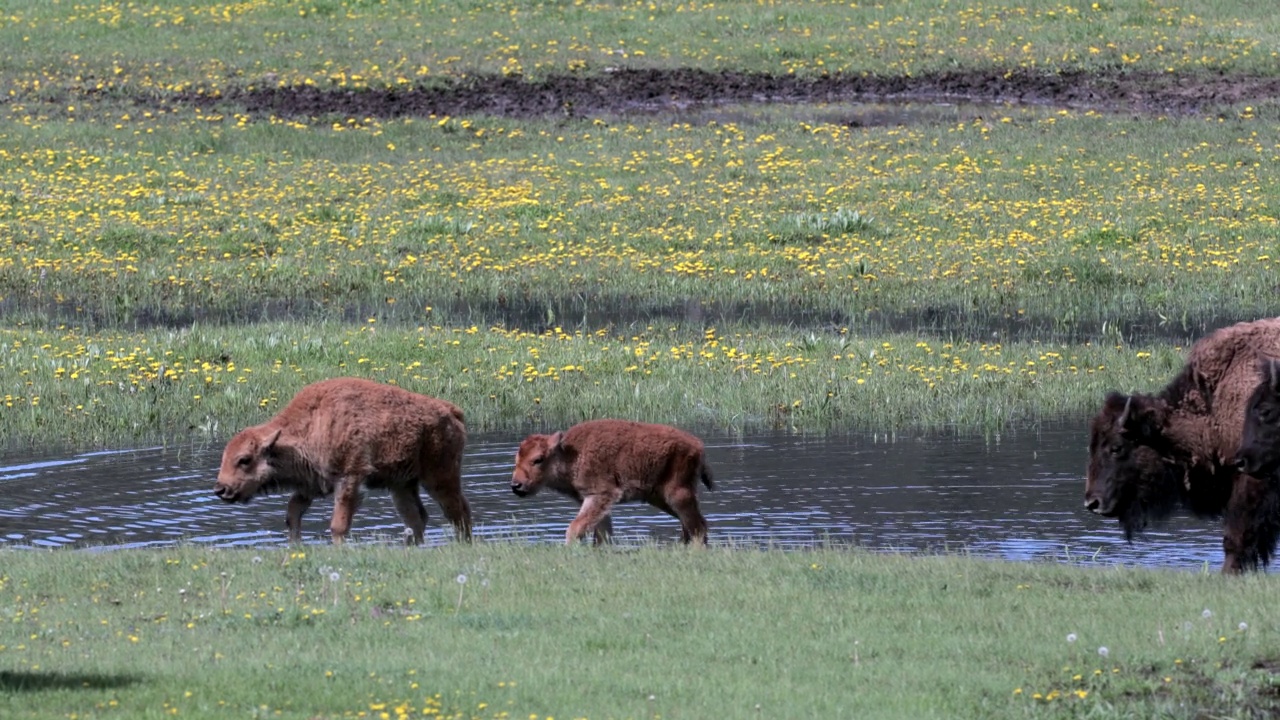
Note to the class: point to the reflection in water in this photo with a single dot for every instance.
(1020, 498)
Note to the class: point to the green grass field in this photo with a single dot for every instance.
(156, 246)
(652, 632)
(175, 265)
(362, 43)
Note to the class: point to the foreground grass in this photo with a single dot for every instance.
(512, 631)
(66, 387)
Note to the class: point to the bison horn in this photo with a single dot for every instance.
(1124, 414)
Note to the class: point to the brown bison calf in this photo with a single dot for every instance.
(603, 462)
(344, 435)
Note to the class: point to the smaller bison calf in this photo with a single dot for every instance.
(603, 462)
(344, 435)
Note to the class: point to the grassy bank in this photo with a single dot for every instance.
(66, 387)
(172, 268)
(543, 632)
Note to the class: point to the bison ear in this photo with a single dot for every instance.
(557, 441)
(1117, 403)
(1142, 418)
(270, 444)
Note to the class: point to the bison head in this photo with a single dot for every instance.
(534, 462)
(247, 468)
(1259, 453)
(1130, 475)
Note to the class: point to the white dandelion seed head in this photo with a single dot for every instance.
(1206, 614)
(1103, 651)
(334, 577)
(1071, 637)
(256, 560)
(1243, 626)
(462, 579)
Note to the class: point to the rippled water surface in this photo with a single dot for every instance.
(1018, 498)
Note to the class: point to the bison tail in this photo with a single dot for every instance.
(705, 475)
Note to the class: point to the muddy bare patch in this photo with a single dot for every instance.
(626, 91)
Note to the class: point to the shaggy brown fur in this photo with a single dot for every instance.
(603, 462)
(1149, 454)
(344, 435)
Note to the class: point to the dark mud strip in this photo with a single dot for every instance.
(1018, 499)
(637, 90)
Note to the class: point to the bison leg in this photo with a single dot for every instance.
(409, 504)
(298, 504)
(345, 503)
(595, 508)
(457, 510)
(683, 503)
(662, 505)
(604, 530)
(1251, 526)
(445, 487)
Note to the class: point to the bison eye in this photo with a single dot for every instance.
(244, 461)
(538, 460)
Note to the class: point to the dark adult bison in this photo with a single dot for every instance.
(344, 435)
(600, 463)
(1149, 454)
